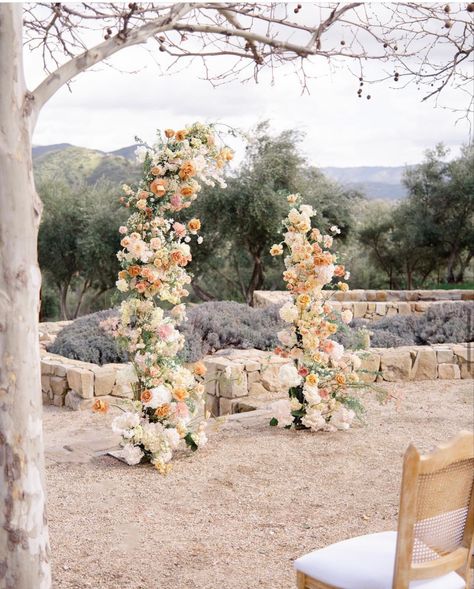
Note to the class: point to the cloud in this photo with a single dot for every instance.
(106, 108)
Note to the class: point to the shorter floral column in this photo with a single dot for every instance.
(322, 376)
(168, 398)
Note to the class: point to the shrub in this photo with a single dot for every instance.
(210, 327)
(447, 323)
(441, 324)
(226, 324)
(85, 340)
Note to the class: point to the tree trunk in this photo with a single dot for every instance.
(63, 290)
(24, 546)
(453, 256)
(257, 278)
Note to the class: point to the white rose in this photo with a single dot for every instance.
(160, 396)
(289, 312)
(289, 376)
(124, 423)
(172, 437)
(311, 394)
(132, 454)
(314, 420)
(122, 285)
(307, 210)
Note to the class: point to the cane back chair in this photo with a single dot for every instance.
(434, 542)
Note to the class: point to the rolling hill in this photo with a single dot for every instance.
(80, 164)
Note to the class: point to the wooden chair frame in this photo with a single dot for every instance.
(459, 448)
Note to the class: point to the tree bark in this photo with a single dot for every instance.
(257, 278)
(24, 545)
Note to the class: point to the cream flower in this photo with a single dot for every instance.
(289, 376)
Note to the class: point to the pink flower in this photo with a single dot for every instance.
(179, 228)
(181, 410)
(165, 330)
(303, 371)
(123, 230)
(176, 200)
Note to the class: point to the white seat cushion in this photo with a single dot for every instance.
(365, 562)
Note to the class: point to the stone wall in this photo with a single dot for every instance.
(243, 380)
(375, 304)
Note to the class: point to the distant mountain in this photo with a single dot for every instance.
(376, 182)
(81, 164)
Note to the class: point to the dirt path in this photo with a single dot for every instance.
(236, 514)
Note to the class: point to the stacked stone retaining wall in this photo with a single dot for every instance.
(376, 304)
(242, 380)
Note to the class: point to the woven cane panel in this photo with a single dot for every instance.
(442, 506)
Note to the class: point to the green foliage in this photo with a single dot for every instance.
(432, 231)
(241, 222)
(78, 240)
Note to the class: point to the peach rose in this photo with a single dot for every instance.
(134, 270)
(187, 170)
(163, 411)
(169, 133)
(181, 135)
(194, 225)
(180, 393)
(187, 190)
(158, 187)
(146, 396)
(100, 406)
(340, 379)
(312, 379)
(199, 369)
(156, 171)
(226, 154)
(123, 274)
(179, 229)
(339, 271)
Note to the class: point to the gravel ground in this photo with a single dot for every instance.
(236, 514)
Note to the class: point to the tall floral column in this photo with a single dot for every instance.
(322, 377)
(168, 398)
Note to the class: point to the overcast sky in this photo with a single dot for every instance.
(107, 108)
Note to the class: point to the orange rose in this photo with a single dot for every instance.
(194, 225)
(199, 369)
(181, 135)
(158, 187)
(339, 271)
(169, 133)
(180, 393)
(187, 170)
(122, 274)
(163, 411)
(134, 270)
(146, 396)
(340, 379)
(100, 406)
(187, 190)
(143, 195)
(312, 379)
(156, 171)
